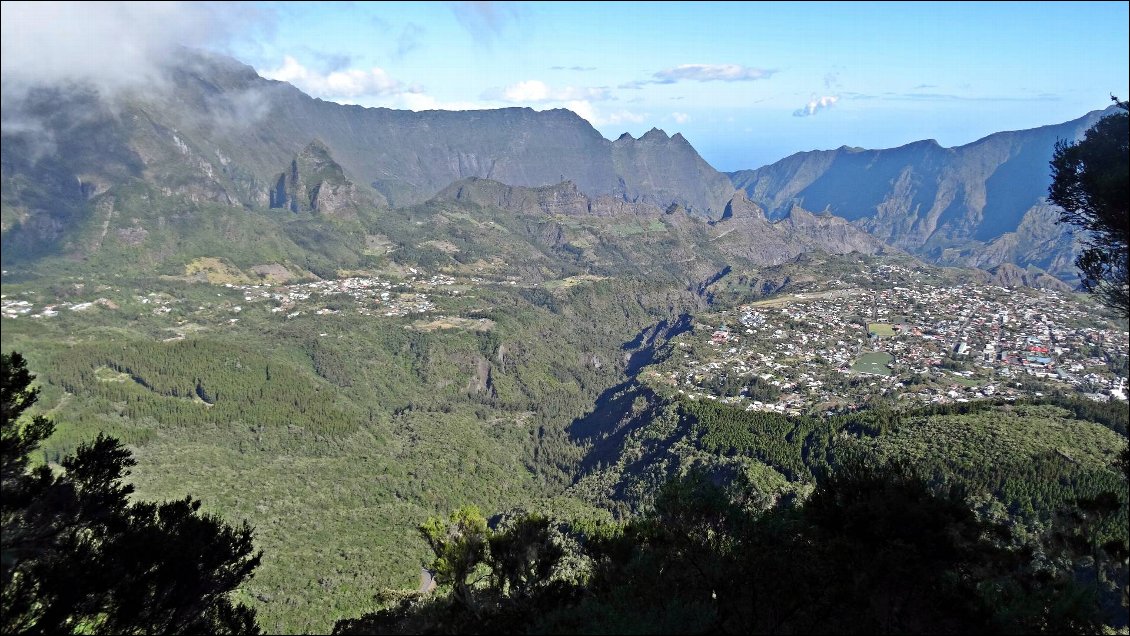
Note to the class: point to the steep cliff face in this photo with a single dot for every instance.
(80, 166)
(315, 183)
(217, 132)
(948, 205)
(742, 236)
(1038, 241)
(409, 156)
(1009, 275)
(662, 170)
(746, 232)
(562, 199)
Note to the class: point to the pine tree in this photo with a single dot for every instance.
(1091, 182)
(78, 556)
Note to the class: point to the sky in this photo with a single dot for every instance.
(747, 83)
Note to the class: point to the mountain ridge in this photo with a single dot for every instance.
(947, 205)
(220, 134)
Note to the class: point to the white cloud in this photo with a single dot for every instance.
(712, 72)
(422, 101)
(111, 48)
(585, 111)
(595, 117)
(815, 105)
(680, 118)
(346, 83)
(111, 45)
(623, 117)
(370, 88)
(528, 91)
(538, 92)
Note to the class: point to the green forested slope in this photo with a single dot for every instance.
(1022, 461)
(334, 446)
(336, 431)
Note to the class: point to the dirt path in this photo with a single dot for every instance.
(427, 580)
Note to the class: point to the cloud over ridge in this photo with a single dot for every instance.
(108, 45)
(346, 83)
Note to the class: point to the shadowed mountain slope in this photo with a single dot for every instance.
(949, 205)
(648, 236)
(216, 132)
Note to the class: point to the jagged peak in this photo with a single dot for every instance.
(626, 137)
(654, 134)
(315, 182)
(740, 207)
(317, 148)
(796, 212)
(317, 161)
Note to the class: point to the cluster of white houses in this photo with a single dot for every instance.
(839, 347)
(371, 295)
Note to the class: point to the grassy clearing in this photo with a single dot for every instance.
(214, 270)
(874, 363)
(572, 281)
(106, 374)
(787, 299)
(881, 329)
(963, 381)
(454, 322)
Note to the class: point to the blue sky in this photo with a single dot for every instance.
(863, 74)
(746, 83)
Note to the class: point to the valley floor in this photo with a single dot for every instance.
(336, 415)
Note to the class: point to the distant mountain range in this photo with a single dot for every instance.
(77, 167)
(742, 235)
(981, 204)
(219, 119)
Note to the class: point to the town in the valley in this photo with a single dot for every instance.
(833, 347)
(366, 295)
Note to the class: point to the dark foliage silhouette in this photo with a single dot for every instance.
(80, 557)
